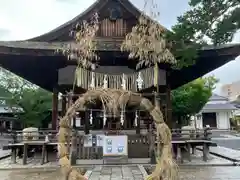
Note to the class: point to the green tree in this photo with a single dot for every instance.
(28, 102)
(207, 22)
(190, 98)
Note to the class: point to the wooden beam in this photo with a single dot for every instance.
(64, 105)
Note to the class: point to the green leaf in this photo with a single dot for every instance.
(30, 104)
(189, 99)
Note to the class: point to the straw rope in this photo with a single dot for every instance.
(85, 77)
(113, 100)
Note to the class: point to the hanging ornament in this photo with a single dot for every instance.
(79, 77)
(91, 117)
(92, 85)
(122, 117)
(104, 118)
(136, 118)
(139, 81)
(123, 82)
(105, 82)
(72, 122)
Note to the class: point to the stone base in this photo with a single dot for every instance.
(115, 160)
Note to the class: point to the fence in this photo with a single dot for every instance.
(139, 145)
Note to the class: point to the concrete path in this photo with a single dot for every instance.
(115, 173)
(233, 143)
(230, 154)
(4, 153)
(186, 173)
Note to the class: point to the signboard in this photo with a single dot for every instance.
(115, 146)
(100, 140)
(78, 122)
(88, 140)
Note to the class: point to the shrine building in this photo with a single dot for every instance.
(36, 60)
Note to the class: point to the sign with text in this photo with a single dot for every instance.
(115, 146)
(88, 140)
(100, 140)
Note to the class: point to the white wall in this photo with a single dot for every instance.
(223, 121)
(199, 122)
(222, 118)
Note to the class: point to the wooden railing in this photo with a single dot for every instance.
(139, 145)
(181, 134)
(17, 136)
(177, 134)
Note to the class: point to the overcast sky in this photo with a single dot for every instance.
(22, 19)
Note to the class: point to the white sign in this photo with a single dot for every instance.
(78, 122)
(100, 140)
(88, 140)
(115, 146)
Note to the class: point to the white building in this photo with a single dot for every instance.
(216, 113)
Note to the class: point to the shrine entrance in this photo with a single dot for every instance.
(130, 128)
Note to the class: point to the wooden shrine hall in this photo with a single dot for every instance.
(36, 60)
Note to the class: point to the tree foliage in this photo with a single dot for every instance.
(207, 22)
(190, 98)
(29, 103)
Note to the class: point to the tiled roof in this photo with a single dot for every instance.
(225, 106)
(216, 97)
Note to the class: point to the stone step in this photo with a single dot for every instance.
(115, 160)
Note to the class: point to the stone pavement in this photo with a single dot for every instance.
(233, 142)
(132, 173)
(32, 163)
(185, 173)
(116, 173)
(209, 173)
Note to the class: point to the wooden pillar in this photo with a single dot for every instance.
(73, 153)
(151, 137)
(54, 109)
(157, 99)
(86, 126)
(69, 103)
(25, 153)
(125, 123)
(69, 99)
(74, 122)
(138, 130)
(169, 107)
(64, 104)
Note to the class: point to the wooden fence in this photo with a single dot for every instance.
(139, 145)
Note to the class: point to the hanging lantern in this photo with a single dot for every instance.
(139, 81)
(91, 117)
(105, 82)
(123, 82)
(136, 118)
(104, 118)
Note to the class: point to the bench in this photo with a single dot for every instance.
(191, 144)
(15, 146)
